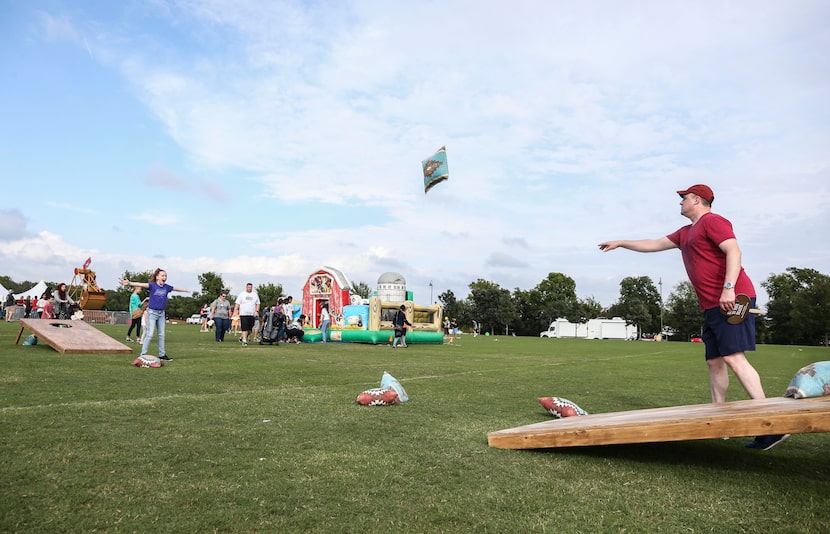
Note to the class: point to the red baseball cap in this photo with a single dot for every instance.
(703, 191)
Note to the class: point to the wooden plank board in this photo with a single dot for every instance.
(72, 337)
(776, 415)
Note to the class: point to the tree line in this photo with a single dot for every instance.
(798, 312)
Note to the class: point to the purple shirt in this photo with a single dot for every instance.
(158, 296)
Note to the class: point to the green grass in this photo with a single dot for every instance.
(90, 443)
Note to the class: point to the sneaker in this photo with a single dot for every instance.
(765, 443)
(244, 343)
(165, 357)
(129, 340)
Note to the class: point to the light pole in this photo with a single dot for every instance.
(430, 292)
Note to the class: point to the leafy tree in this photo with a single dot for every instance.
(639, 303)
(552, 298)
(528, 305)
(799, 307)
(450, 304)
(492, 305)
(461, 310)
(558, 294)
(362, 289)
(812, 310)
(12, 286)
(211, 284)
(781, 289)
(181, 307)
(584, 310)
(269, 293)
(683, 311)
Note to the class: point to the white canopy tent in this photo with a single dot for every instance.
(35, 292)
(3, 292)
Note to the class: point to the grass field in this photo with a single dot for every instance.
(270, 439)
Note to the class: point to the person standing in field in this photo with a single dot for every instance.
(159, 291)
(48, 308)
(399, 323)
(247, 307)
(712, 259)
(325, 321)
(136, 311)
(9, 307)
(62, 302)
(220, 312)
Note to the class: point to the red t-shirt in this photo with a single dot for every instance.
(705, 262)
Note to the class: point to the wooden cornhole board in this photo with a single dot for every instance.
(72, 337)
(776, 415)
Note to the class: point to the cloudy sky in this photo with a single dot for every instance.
(263, 140)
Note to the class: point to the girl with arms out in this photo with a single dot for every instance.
(159, 290)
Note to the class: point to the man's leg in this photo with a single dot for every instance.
(718, 379)
(746, 373)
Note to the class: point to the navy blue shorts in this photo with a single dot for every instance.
(722, 338)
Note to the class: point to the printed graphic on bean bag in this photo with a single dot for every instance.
(148, 362)
(378, 397)
(559, 407)
(390, 392)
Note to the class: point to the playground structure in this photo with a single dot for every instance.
(85, 290)
(353, 319)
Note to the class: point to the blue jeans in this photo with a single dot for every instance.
(222, 325)
(155, 320)
(324, 328)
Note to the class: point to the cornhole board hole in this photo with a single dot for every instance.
(777, 415)
(72, 337)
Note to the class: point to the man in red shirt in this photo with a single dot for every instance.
(712, 259)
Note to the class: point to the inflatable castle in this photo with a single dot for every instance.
(355, 319)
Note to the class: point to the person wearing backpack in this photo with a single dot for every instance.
(400, 323)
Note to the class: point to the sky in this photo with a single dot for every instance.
(264, 140)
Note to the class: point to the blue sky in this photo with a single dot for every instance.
(263, 140)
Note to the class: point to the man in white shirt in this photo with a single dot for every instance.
(247, 306)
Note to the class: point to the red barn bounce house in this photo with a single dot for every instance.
(326, 285)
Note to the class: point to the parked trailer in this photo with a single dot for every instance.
(601, 328)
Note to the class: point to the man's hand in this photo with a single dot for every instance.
(727, 300)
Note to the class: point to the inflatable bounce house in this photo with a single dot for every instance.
(353, 319)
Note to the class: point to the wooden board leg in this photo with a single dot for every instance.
(19, 333)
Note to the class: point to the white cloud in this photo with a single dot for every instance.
(296, 132)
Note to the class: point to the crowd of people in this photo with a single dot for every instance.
(49, 305)
(251, 322)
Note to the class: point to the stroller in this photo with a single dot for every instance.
(272, 326)
(65, 310)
